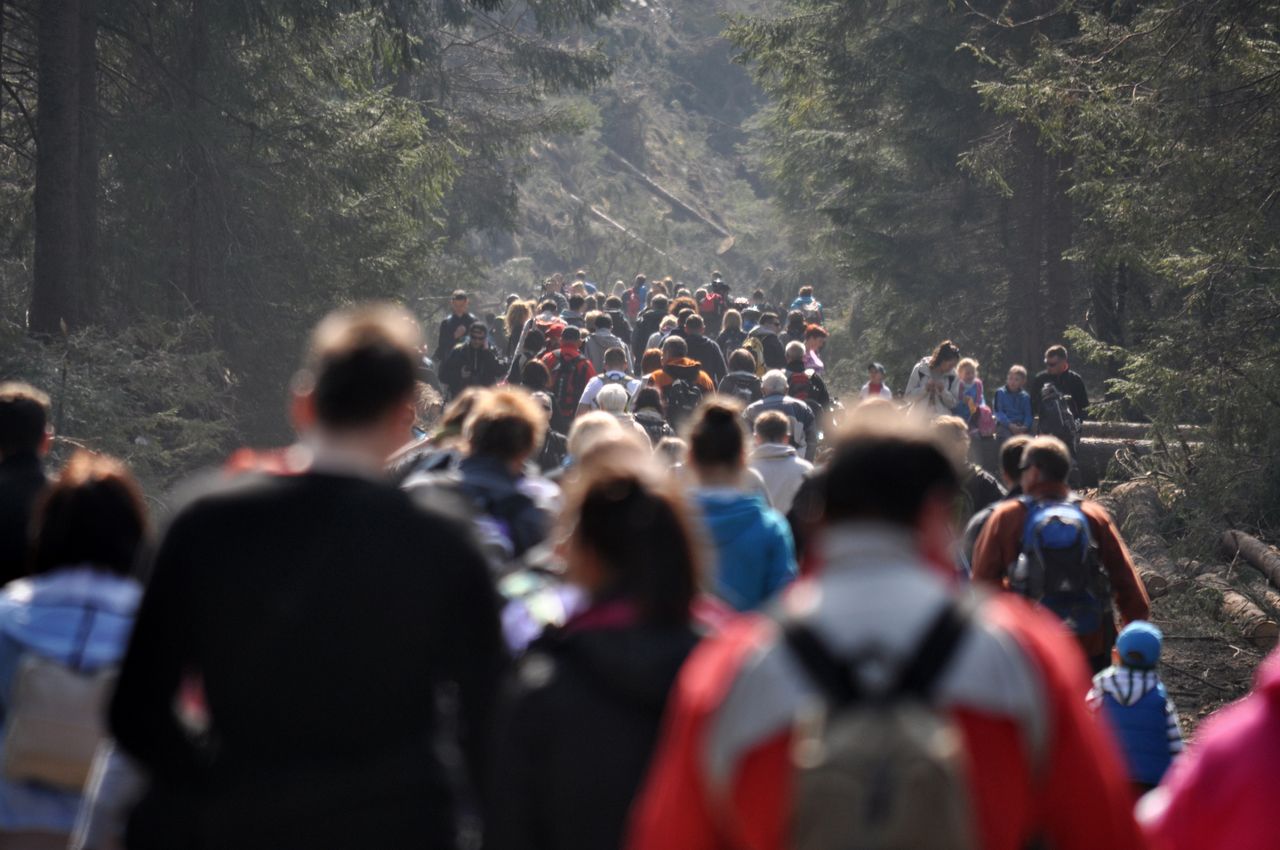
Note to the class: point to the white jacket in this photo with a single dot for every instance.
(783, 472)
(917, 394)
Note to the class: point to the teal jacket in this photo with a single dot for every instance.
(755, 554)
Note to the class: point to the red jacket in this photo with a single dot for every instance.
(1039, 764)
(1218, 795)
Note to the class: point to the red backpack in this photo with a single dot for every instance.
(800, 384)
(711, 307)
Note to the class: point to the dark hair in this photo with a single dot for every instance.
(505, 424)
(534, 340)
(1057, 352)
(741, 360)
(535, 376)
(773, 426)
(647, 397)
(615, 355)
(795, 319)
(1011, 455)
(604, 320)
(651, 360)
(768, 318)
(24, 418)
(549, 305)
(1049, 455)
(643, 543)
(613, 302)
(674, 346)
(576, 302)
(361, 364)
(945, 351)
(659, 302)
(694, 323)
(885, 473)
(639, 280)
(93, 513)
(716, 438)
(806, 290)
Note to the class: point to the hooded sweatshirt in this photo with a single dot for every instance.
(783, 473)
(80, 617)
(755, 553)
(1143, 718)
(917, 396)
(682, 368)
(600, 341)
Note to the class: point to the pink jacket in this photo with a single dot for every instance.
(1221, 792)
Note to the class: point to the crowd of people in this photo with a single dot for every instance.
(612, 596)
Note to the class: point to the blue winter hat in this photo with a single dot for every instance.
(1139, 645)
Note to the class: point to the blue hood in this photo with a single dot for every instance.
(755, 555)
(76, 611)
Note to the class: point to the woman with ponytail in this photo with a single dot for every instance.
(755, 553)
(577, 734)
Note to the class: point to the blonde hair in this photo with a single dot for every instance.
(1017, 369)
(968, 362)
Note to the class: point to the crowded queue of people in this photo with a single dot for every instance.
(705, 636)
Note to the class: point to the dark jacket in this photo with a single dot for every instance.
(579, 730)
(446, 341)
(730, 341)
(744, 386)
(467, 366)
(705, 351)
(1068, 383)
(319, 616)
(645, 327)
(22, 479)
(775, 356)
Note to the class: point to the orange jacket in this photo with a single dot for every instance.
(682, 367)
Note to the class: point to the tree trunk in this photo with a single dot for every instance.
(194, 173)
(1058, 235)
(55, 290)
(87, 157)
(1257, 554)
(1242, 612)
(1024, 301)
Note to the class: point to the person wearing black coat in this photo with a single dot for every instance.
(454, 327)
(646, 325)
(586, 706)
(775, 356)
(473, 363)
(704, 349)
(24, 440)
(1057, 371)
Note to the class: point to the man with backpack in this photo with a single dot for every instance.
(713, 303)
(570, 371)
(646, 325)
(602, 339)
(872, 707)
(704, 349)
(614, 372)
(1058, 374)
(1062, 552)
(804, 425)
(771, 353)
(681, 381)
(805, 383)
(633, 300)
(472, 363)
(742, 382)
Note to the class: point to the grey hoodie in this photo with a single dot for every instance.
(783, 472)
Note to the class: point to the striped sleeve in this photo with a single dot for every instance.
(1174, 730)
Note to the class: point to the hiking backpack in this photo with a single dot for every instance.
(881, 770)
(564, 395)
(756, 346)
(1059, 566)
(744, 391)
(800, 384)
(683, 397)
(654, 425)
(1056, 417)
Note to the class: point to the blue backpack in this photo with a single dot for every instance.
(1059, 566)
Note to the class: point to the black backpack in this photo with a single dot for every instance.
(1056, 416)
(683, 398)
(563, 395)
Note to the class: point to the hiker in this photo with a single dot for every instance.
(776, 460)
(741, 382)
(905, 671)
(472, 363)
(587, 701)
(647, 324)
(531, 350)
(971, 397)
(551, 291)
(1057, 371)
(308, 625)
(573, 314)
(580, 277)
(875, 387)
(569, 373)
(613, 400)
(755, 556)
(65, 628)
(614, 372)
(518, 315)
(26, 436)
(1220, 793)
(931, 389)
(772, 354)
(805, 383)
(804, 425)
(454, 327)
(704, 349)
(621, 326)
(1010, 473)
(794, 331)
(731, 334)
(683, 383)
(635, 298)
(649, 413)
(808, 306)
(602, 339)
(815, 339)
(978, 488)
(750, 318)
(1013, 405)
(1131, 697)
(555, 446)
(1084, 600)
(712, 304)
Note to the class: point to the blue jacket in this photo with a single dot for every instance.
(1144, 721)
(755, 554)
(76, 615)
(1013, 409)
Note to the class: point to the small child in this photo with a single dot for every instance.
(1013, 405)
(970, 398)
(875, 386)
(1133, 699)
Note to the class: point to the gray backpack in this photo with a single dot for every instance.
(883, 770)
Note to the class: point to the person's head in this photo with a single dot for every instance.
(544, 402)
(674, 348)
(612, 398)
(613, 303)
(638, 282)
(751, 316)
(590, 428)
(581, 274)
(887, 470)
(694, 325)
(716, 440)
(660, 303)
(953, 435)
(967, 370)
(534, 376)
(517, 314)
(1138, 645)
(458, 303)
(1046, 463)
(650, 361)
(774, 382)
(1011, 458)
(647, 398)
(505, 424)
(815, 337)
(794, 351)
(668, 324)
(478, 335)
(548, 306)
(772, 426)
(24, 420)
(357, 381)
(770, 321)
(1017, 378)
(875, 373)
(741, 360)
(731, 321)
(576, 301)
(550, 285)
(757, 297)
(682, 303)
(795, 323)
(456, 413)
(511, 299)
(534, 341)
(615, 360)
(945, 357)
(670, 452)
(571, 336)
(806, 292)
(92, 514)
(699, 293)
(1055, 360)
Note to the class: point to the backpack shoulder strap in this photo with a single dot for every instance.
(920, 675)
(833, 676)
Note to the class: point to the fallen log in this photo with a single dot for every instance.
(1096, 453)
(653, 186)
(1137, 511)
(1135, 430)
(1255, 553)
(1241, 611)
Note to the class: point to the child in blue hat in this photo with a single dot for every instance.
(1133, 699)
